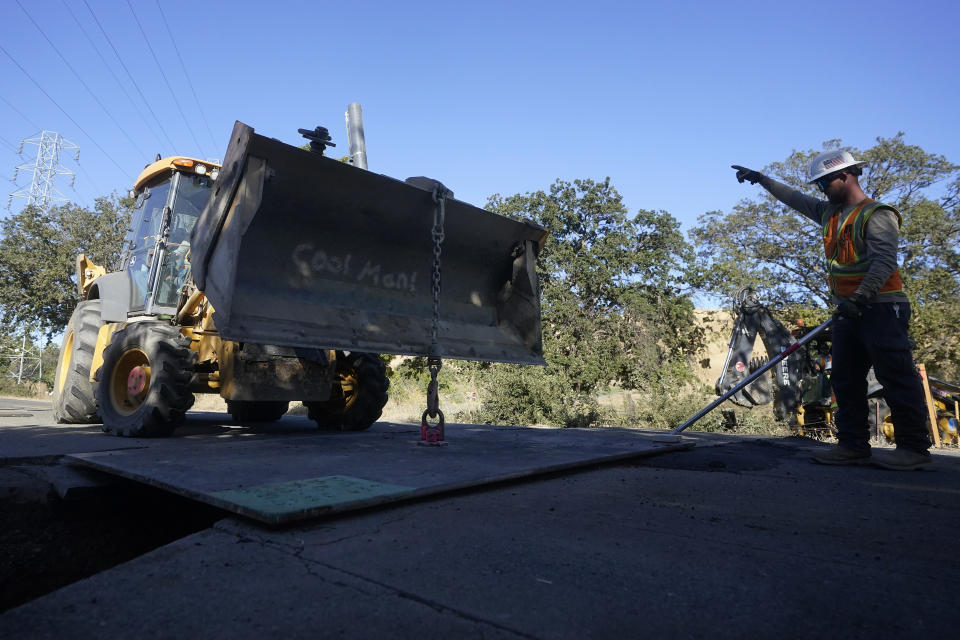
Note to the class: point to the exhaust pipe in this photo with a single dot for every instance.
(358, 145)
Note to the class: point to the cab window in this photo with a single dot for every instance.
(143, 246)
(190, 198)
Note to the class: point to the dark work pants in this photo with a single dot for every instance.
(878, 338)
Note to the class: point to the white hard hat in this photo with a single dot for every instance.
(830, 162)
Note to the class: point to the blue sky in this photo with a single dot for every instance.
(492, 97)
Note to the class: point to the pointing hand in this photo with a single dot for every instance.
(751, 176)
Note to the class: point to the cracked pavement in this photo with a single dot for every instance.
(740, 537)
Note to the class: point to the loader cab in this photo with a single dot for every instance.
(170, 194)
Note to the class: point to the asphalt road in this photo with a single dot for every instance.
(739, 537)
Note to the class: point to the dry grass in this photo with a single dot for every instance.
(209, 402)
(659, 411)
(408, 399)
(459, 398)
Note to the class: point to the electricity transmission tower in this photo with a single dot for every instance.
(25, 363)
(44, 170)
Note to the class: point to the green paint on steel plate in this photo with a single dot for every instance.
(301, 495)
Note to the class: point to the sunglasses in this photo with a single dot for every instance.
(824, 182)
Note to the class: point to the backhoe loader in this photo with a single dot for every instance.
(799, 386)
(278, 276)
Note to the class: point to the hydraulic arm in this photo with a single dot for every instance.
(753, 319)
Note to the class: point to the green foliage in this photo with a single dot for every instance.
(412, 368)
(611, 307)
(38, 254)
(343, 159)
(764, 244)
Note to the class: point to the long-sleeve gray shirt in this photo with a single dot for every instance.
(880, 237)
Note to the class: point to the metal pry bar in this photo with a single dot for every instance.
(753, 376)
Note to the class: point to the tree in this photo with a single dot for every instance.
(611, 308)
(931, 271)
(764, 244)
(38, 252)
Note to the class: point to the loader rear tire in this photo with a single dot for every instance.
(145, 381)
(244, 411)
(73, 393)
(358, 396)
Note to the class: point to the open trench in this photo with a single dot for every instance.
(47, 542)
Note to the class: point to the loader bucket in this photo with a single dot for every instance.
(300, 250)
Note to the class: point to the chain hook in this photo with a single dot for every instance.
(432, 434)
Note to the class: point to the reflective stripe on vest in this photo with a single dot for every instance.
(845, 267)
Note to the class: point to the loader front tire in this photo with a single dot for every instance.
(145, 381)
(73, 393)
(358, 396)
(244, 411)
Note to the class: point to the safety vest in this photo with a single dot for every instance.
(846, 267)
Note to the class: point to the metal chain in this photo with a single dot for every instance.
(434, 435)
(437, 233)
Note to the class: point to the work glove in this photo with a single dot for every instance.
(751, 176)
(848, 308)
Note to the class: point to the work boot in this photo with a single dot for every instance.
(842, 455)
(904, 460)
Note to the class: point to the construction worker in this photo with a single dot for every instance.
(860, 237)
(175, 266)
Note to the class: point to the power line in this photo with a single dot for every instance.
(63, 111)
(21, 114)
(132, 79)
(93, 183)
(85, 86)
(44, 170)
(9, 144)
(186, 74)
(81, 167)
(173, 94)
(123, 88)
